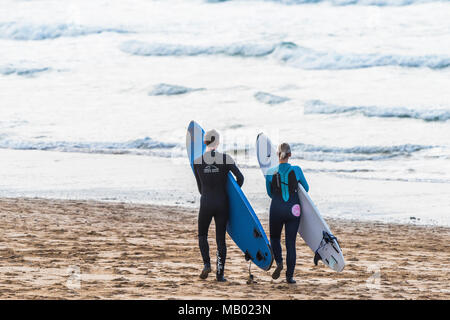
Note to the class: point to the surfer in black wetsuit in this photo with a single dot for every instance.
(282, 186)
(211, 172)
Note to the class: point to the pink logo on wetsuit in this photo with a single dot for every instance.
(296, 210)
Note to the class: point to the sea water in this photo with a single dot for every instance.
(96, 96)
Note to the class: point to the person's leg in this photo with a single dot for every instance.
(291, 229)
(276, 225)
(204, 220)
(221, 220)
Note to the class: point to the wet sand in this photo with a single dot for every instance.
(63, 249)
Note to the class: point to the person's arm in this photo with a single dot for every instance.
(235, 170)
(197, 178)
(269, 185)
(269, 176)
(301, 178)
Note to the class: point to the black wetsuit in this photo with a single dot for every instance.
(211, 172)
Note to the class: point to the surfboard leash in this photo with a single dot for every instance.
(250, 276)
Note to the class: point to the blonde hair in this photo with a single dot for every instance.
(284, 151)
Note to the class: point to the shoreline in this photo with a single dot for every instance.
(192, 207)
(84, 249)
(138, 179)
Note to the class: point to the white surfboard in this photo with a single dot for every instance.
(313, 228)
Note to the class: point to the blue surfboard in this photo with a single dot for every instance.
(243, 224)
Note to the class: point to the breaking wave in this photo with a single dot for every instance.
(150, 147)
(269, 98)
(21, 71)
(291, 54)
(357, 153)
(170, 90)
(27, 31)
(145, 146)
(320, 107)
(160, 49)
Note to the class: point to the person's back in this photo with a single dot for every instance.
(211, 172)
(282, 185)
(282, 181)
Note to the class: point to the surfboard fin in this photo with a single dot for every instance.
(317, 257)
(248, 256)
(256, 233)
(260, 256)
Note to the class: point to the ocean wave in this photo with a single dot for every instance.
(319, 107)
(144, 146)
(313, 170)
(291, 54)
(22, 71)
(356, 170)
(236, 126)
(10, 125)
(357, 153)
(170, 90)
(358, 177)
(160, 49)
(269, 98)
(150, 147)
(27, 31)
(305, 58)
(322, 153)
(379, 3)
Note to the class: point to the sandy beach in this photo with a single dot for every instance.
(67, 249)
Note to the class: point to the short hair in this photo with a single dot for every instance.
(212, 138)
